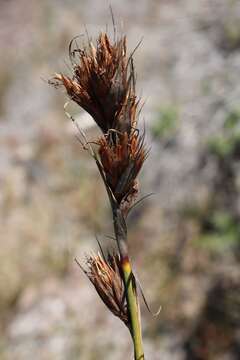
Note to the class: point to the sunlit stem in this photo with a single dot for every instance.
(129, 283)
(133, 309)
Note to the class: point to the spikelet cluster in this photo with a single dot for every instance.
(103, 84)
(105, 275)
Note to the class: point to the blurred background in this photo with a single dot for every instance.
(184, 240)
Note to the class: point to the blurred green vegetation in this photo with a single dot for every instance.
(218, 229)
(218, 222)
(227, 144)
(165, 124)
(5, 82)
(231, 33)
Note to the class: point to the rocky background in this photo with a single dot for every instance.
(185, 239)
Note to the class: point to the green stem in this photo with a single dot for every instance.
(120, 229)
(133, 309)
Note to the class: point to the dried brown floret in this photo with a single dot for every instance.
(122, 159)
(105, 275)
(103, 83)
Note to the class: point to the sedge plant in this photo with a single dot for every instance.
(103, 84)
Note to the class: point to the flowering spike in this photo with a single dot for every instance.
(103, 84)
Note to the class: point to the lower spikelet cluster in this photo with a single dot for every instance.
(105, 275)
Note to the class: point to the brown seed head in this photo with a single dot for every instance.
(103, 83)
(122, 159)
(105, 275)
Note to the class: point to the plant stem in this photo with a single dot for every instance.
(133, 309)
(120, 229)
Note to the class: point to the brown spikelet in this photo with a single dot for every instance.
(122, 159)
(103, 83)
(105, 275)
